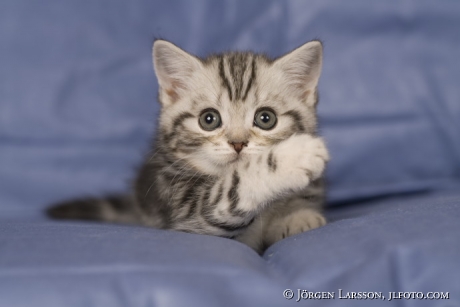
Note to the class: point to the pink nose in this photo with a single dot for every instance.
(238, 146)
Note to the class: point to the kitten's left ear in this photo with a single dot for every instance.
(302, 68)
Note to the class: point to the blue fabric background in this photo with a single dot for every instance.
(78, 108)
(78, 93)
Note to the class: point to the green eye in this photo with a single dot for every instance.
(265, 119)
(210, 120)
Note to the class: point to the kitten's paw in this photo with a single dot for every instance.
(314, 158)
(303, 157)
(292, 224)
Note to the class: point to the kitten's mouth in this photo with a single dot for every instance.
(231, 158)
(237, 158)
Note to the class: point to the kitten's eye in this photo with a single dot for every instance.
(265, 119)
(210, 119)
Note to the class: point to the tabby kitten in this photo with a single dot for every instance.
(236, 153)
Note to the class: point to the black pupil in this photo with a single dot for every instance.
(265, 117)
(209, 118)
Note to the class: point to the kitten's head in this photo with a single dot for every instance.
(221, 110)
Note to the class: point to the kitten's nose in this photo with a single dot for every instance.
(238, 146)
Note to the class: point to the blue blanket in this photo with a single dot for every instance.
(78, 108)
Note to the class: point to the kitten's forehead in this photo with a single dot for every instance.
(236, 73)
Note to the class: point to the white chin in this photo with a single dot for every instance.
(228, 158)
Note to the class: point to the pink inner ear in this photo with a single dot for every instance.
(172, 91)
(305, 95)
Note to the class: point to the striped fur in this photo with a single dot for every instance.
(196, 181)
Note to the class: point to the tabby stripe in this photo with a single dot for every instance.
(224, 78)
(167, 137)
(233, 196)
(119, 204)
(171, 175)
(88, 209)
(231, 65)
(313, 198)
(227, 226)
(179, 119)
(297, 118)
(251, 79)
(247, 164)
(192, 208)
(188, 194)
(193, 195)
(206, 196)
(208, 207)
(187, 197)
(219, 195)
(309, 174)
(169, 161)
(271, 161)
(189, 143)
(237, 71)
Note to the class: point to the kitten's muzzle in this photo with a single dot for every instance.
(238, 146)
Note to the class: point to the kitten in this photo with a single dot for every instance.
(236, 153)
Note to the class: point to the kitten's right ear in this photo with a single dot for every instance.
(174, 69)
(301, 69)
